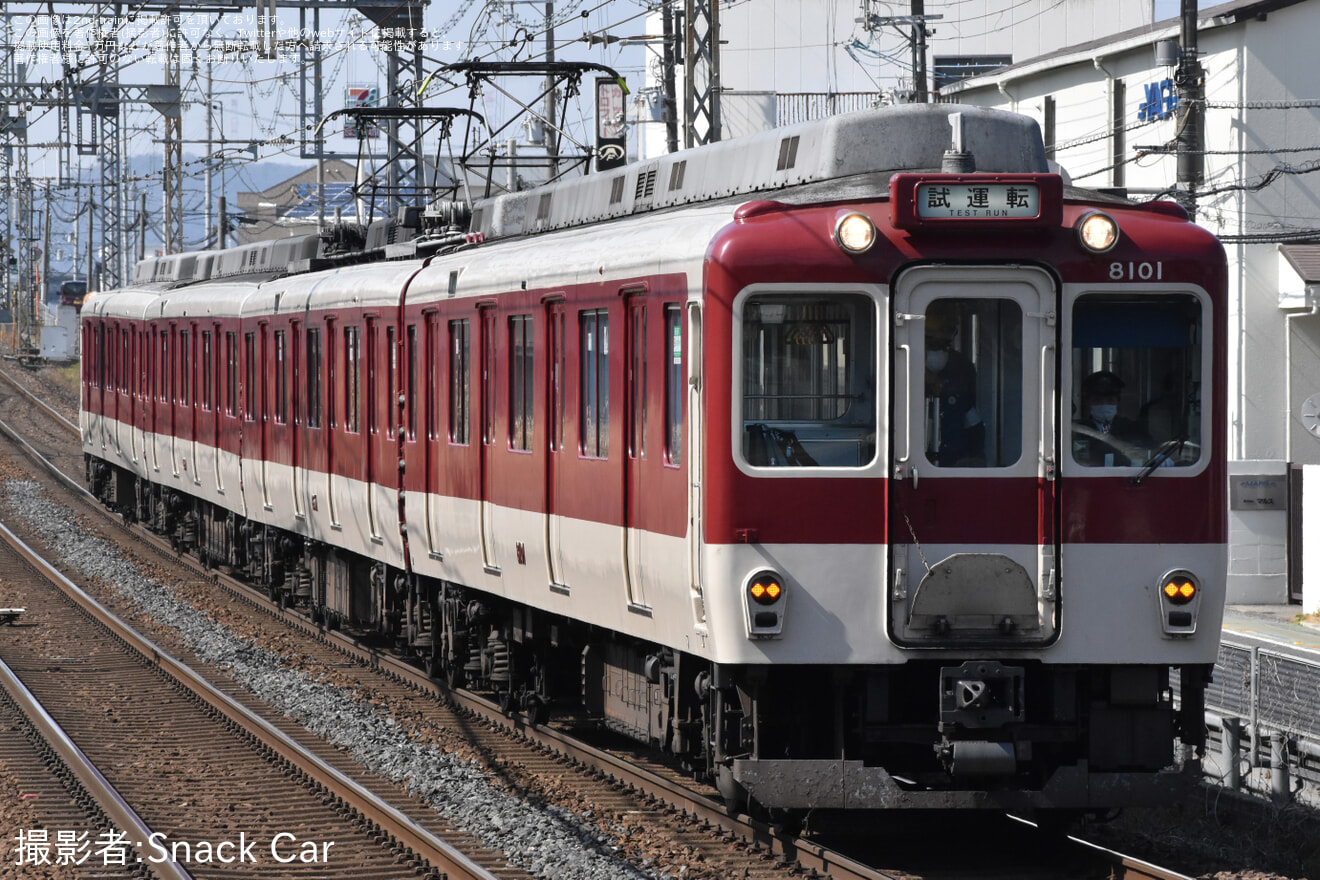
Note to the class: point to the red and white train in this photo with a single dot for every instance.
(858, 477)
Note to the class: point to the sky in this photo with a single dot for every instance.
(254, 106)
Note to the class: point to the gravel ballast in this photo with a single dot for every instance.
(545, 840)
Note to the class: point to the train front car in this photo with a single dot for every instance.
(964, 529)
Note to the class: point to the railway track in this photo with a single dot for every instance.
(217, 784)
(653, 816)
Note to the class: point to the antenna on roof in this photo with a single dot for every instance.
(956, 159)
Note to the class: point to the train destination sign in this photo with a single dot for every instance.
(945, 200)
(978, 201)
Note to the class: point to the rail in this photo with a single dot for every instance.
(111, 803)
(388, 819)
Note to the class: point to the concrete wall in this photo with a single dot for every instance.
(1311, 539)
(1258, 537)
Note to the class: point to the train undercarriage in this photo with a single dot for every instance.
(930, 733)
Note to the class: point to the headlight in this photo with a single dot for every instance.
(855, 233)
(1098, 232)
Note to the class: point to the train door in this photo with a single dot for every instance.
(488, 435)
(332, 420)
(372, 426)
(555, 353)
(695, 442)
(296, 418)
(430, 393)
(259, 380)
(174, 368)
(192, 394)
(136, 380)
(151, 397)
(973, 506)
(635, 453)
(164, 406)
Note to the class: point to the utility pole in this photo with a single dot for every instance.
(45, 246)
(919, 51)
(917, 20)
(1190, 81)
(668, 60)
(551, 125)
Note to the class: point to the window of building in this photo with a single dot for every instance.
(949, 69)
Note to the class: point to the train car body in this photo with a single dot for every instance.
(789, 456)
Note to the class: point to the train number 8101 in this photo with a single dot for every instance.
(1130, 271)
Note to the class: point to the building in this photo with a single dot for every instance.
(1109, 112)
(785, 61)
(291, 206)
(1107, 104)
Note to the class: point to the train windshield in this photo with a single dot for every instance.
(1137, 383)
(808, 380)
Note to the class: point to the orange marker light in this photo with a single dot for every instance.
(1179, 590)
(765, 589)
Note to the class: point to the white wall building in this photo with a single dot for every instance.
(1087, 72)
(779, 59)
(1105, 110)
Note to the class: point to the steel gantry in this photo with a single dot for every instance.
(91, 99)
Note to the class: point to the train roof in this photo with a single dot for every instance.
(846, 156)
(864, 144)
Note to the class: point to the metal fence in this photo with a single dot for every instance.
(1263, 716)
(808, 106)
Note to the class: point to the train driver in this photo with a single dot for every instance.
(955, 434)
(1101, 437)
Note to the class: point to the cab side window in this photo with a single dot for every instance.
(1137, 382)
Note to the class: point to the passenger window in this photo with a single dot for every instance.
(522, 374)
(459, 367)
(313, 377)
(281, 377)
(973, 382)
(595, 385)
(808, 380)
(675, 389)
(1136, 367)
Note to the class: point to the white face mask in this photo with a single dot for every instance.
(936, 360)
(1104, 412)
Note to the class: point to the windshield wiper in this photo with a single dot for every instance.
(1157, 459)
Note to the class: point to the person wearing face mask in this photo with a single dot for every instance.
(1101, 437)
(955, 433)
